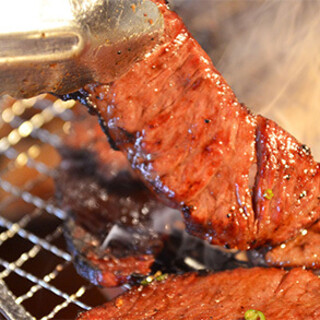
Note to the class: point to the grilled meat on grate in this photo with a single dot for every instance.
(240, 180)
(278, 294)
(116, 230)
(110, 229)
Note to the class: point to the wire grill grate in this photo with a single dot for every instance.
(36, 272)
(31, 225)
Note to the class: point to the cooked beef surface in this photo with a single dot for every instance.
(240, 180)
(280, 295)
(117, 231)
(302, 251)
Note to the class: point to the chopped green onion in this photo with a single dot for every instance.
(162, 277)
(158, 276)
(147, 280)
(268, 194)
(254, 315)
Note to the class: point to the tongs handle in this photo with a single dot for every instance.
(61, 45)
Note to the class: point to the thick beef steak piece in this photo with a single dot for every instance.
(278, 294)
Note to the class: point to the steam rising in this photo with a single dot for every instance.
(269, 52)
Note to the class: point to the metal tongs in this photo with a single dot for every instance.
(60, 45)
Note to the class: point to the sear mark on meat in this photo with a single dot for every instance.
(278, 294)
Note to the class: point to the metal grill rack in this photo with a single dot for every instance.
(37, 278)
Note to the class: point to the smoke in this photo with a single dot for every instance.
(269, 52)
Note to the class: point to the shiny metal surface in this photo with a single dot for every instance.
(37, 278)
(60, 45)
(9, 307)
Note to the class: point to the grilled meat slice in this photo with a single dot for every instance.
(111, 229)
(95, 184)
(118, 233)
(302, 251)
(278, 294)
(240, 180)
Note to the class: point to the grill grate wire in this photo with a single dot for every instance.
(35, 268)
(27, 127)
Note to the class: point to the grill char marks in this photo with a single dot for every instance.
(195, 144)
(280, 295)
